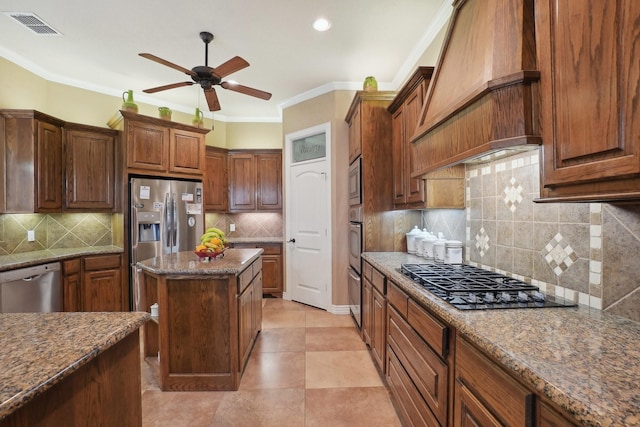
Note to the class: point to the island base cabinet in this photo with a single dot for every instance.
(205, 329)
(105, 392)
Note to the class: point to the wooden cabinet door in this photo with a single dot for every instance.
(256, 305)
(366, 307)
(147, 146)
(272, 274)
(215, 181)
(242, 182)
(102, 286)
(186, 152)
(90, 169)
(590, 98)
(355, 135)
(379, 328)
(269, 181)
(245, 325)
(71, 285)
(49, 167)
(412, 107)
(398, 146)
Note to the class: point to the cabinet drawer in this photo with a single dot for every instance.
(71, 266)
(507, 399)
(101, 262)
(245, 278)
(434, 332)
(379, 281)
(367, 271)
(407, 398)
(397, 298)
(425, 369)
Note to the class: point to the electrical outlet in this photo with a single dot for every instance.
(232, 227)
(31, 235)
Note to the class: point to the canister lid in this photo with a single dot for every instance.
(453, 243)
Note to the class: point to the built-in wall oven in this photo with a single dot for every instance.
(355, 263)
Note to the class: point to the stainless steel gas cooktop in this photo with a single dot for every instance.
(472, 288)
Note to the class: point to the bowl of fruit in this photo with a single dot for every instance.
(212, 244)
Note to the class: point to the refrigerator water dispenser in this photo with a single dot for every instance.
(149, 232)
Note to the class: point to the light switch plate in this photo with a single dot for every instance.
(31, 235)
(232, 227)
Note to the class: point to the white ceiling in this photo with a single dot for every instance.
(100, 42)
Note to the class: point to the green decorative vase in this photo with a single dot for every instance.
(164, 113)
(198, 118)
(128, 103)
(370, 84)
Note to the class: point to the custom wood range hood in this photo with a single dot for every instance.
(483, 97)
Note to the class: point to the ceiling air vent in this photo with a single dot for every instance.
(34, 23)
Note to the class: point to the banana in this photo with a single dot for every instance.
(215, 230)
(211, 233)
(208, 236)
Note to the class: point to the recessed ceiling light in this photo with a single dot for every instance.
(321, 24)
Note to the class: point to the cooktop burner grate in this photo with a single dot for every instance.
(472, 288)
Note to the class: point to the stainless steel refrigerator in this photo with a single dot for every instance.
(166, 217)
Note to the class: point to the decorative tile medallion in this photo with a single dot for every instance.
(513, 195)
(559, 254)
(482, 242)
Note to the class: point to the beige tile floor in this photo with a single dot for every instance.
(308, 368)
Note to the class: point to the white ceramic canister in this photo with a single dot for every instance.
(419, 247)
(438, 248)
(411, 242)
(420, 242)
(428, 246)
(453, 252)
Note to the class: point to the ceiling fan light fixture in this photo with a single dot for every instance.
(321, 24)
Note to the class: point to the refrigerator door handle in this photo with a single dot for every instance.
(167, 221)
(174, 212)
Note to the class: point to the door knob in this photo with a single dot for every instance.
(291, 241)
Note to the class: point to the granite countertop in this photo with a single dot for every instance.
(233, 262)
(254, 239)
(38, 350)
(28, 259)
(584, 360)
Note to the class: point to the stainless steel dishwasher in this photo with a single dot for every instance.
(31, 290)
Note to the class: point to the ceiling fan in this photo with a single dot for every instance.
(208, 77)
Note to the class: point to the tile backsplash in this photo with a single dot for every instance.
(263, 224)
(582, 251)
(54, 231)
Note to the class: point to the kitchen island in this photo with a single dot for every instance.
(577, 361)
(209, 315)
(70, 369)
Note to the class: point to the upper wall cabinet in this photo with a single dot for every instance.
(483, 96)
(215, 180)
(590, 94)
(255, 180)
(446, 190)
(163, 148)
(90, 175)
(31, 155)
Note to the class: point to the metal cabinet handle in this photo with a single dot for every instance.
(291, 241)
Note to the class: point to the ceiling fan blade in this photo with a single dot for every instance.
(231, 66)
(165, 87)
(246, 90)
(168, 64)
(212, 99)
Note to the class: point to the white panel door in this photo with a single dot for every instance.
(308, 222)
